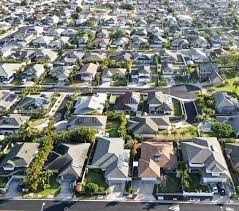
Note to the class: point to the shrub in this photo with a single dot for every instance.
(91, 187)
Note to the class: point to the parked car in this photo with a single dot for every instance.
(20, 187)
(221, 188)
(214, 188)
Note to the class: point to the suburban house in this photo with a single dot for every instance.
(159, 103)
(156, 158)
(127, 102)
(90, 104)
(33, 104)
(97, 122)
(204, 155)
(46, 55)
(225, 104)
(232, 153)
(148, 126)
(11, 123)
(111, 157)
(18, 159)
(88, 72)
(111, 74)
(36, 71)
(68, 160)
(8, 70)
(232, 121)
(7, 99)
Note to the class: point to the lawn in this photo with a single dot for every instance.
(37, 122)
(3, 181)
(112, 128)
(194, 184)
(226, 88)
(180, 133)
(154, 81)
(172, 184)
(49, 80)
(177, 110)
(52, 190)
(97, 177)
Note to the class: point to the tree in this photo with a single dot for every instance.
(222, 130)
(236, 84)
(186, 179)
(91, 188)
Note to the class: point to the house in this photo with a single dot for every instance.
(232, 121)
(142, 75)
(36, 71)
(111, 157)
(148, 126)
(97, 122)
(70, 58)
(198, 56)
(204, 155)
(168, 56)
(92, 57)
(11, 123)
(209, 72)
(68, 160)
(111, 74)
(33, 104)
(8, 70)
(159, 103)
(155, 158)
(88, 72)
(18, 159)
(7, 99)
(5, 52)
(90, 104)
(232, 153)
(43, 41)
(127, 102)
(62, 73)
(225, 104)
(46, 55)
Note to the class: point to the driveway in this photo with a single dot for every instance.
(144, 190)
(12, 189)
(116, 191)
(65, 191)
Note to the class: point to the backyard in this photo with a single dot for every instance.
(170, 184)
(112, 128)
(177, 108)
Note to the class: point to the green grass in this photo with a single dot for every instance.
(177, 108)
(113, 98)
(16, 81)
(112, 128)
(96, 176)
(49, 80)
(194, 184)
(154, 81)
(37, 122)
(52, 190)
(226, 88)
(3, 181)
(172, 184)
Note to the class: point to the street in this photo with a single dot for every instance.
(36, 205)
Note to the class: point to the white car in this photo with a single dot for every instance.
(214, 188)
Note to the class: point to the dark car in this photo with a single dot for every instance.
(221, 188)
(19, 187)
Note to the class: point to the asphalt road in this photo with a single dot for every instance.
(35, 205)
(179, 91)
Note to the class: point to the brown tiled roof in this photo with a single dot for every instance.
(148, 167)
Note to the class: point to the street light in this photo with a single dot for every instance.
(42, 206)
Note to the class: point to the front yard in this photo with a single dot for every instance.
(3, 181)
(97, 177)
(195, 185)
(170, 184)
(51, 191)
